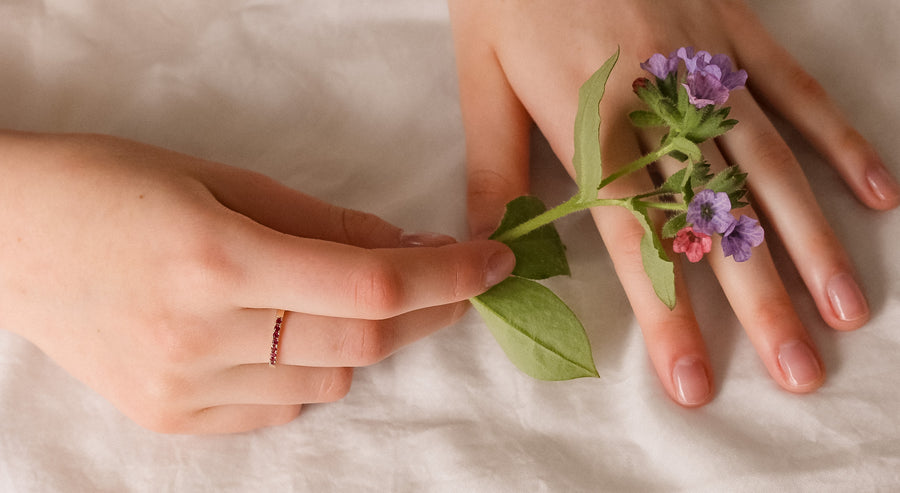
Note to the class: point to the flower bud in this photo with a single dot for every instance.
(640, 83)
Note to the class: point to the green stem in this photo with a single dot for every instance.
(572, 205)
(577, 203)
(666, 206)
(638, 164)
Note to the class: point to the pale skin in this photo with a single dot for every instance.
(154, 277)
(521, 63)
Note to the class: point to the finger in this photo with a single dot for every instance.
(314, 340)
(236, 418)
(673, 339)
(497, 127)
(760, 301)
(784, 196)
(782, 82)
(323, 278)
(288, 211)
(278, 385)
(763, 306)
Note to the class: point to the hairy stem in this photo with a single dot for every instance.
(572, 205)
(638, 164)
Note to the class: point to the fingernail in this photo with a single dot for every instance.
(847, 300)
(425, 240)
(691, 381)
(882, 184)
(499, 267)
(799, 364)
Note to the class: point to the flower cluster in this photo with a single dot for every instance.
(709, 213)
(710, 78)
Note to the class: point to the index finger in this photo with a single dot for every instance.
(332, 279)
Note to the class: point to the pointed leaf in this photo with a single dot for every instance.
(728, 180)
(674, 225)
(646, 119)
(536, 330)
(587, 162)
(699, 177)
(539, 254)
(659, 268)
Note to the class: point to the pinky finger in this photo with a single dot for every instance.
(233, 418)
(239, 418)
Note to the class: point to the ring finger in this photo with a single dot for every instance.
(320, 341)
(761, 303)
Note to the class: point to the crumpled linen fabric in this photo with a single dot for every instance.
(356, 102)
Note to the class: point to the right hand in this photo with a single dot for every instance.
(155, 277)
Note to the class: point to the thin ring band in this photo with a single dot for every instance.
(276, 336)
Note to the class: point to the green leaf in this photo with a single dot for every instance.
(669, 86)
(587, 160)
(659, 268)
(728, 180)
(646, 119)
(536, 330)
(674, 225)
(699, 177)
(539, 254)
(712, 125)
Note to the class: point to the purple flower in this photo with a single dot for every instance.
(660, 65)
(705, 89)
(710, 212)
(710, 78)
(744, 234)
(731, 80)
(693, 61)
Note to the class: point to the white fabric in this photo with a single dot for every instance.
(356, 102)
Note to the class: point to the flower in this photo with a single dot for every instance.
(704, 89)
(692, 60)
(710, 78)
(709, 212)
(740, 237)
(692, 243)
(660, 65)
(731, 80)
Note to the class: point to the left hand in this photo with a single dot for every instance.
(524, 61)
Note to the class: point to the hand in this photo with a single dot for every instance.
(155, 278)
(524, 61)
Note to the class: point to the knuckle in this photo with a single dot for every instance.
(486, 184)
(202, 264)
(771, 151)
(173, 345)
(156, 406)
(336, 385)
(368, 343)
(628, 257)
(772, 312)
(806, 84)
(377, 289)
(468, 279)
